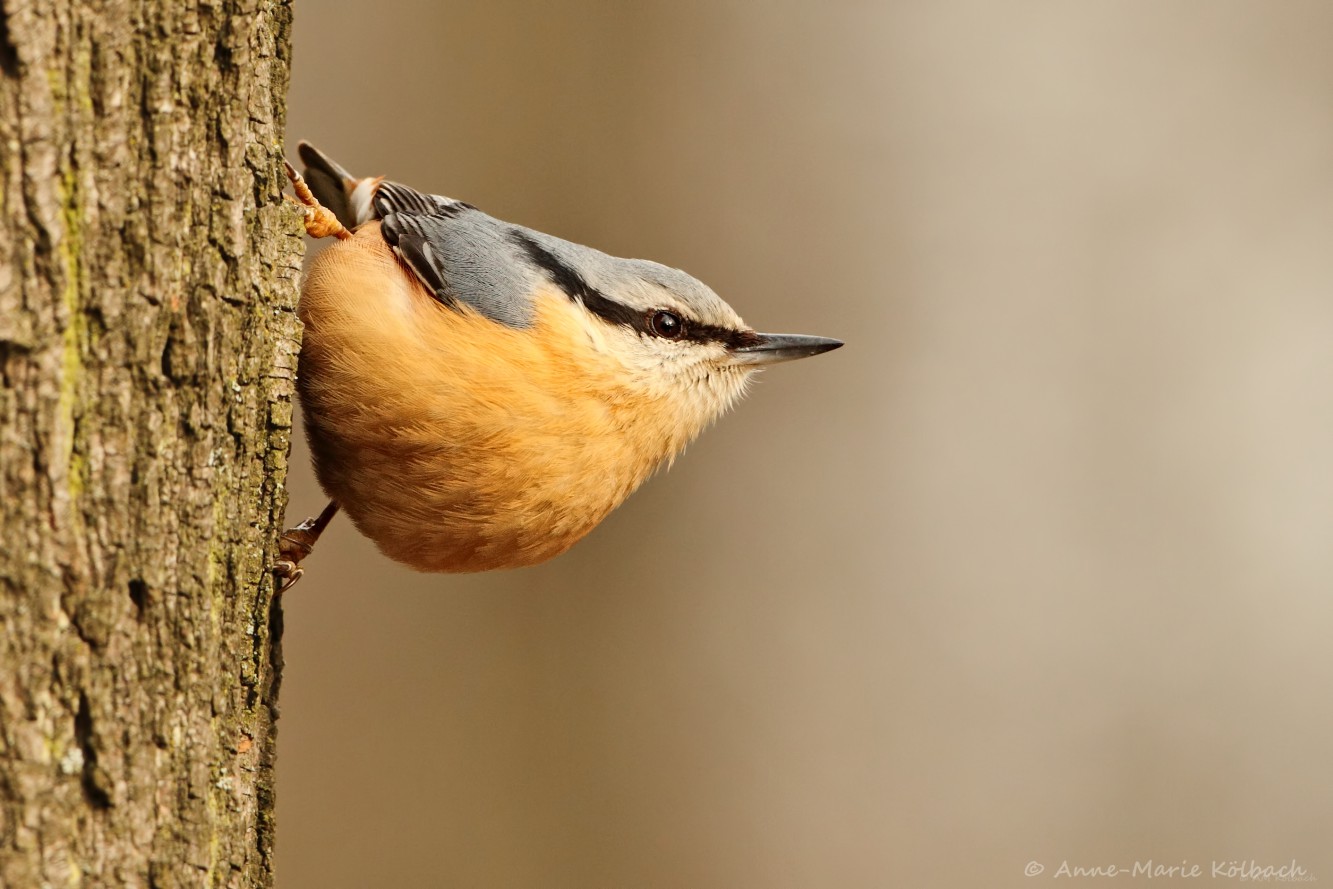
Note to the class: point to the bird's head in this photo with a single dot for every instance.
(678, 342)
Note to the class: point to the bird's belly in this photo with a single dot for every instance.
(443, 508)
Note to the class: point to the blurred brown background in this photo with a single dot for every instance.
(1037, 568)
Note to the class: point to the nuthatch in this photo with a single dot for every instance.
(480, 395)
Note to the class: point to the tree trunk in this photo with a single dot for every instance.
(148, 277)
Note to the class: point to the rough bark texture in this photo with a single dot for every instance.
(148, 274)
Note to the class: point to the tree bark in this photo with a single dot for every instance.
(148, 280)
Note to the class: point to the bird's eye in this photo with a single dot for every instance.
(667, 325)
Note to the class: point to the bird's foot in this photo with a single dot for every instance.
(296, 544)
(319, 220)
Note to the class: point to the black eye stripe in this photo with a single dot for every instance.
(575, 287)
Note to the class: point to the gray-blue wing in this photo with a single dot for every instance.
(459, 253)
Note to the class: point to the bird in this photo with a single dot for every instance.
(479, 395)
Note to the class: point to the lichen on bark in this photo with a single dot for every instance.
(148, 280)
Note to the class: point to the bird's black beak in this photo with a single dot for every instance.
(772, 348)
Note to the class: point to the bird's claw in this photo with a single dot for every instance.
(319, 220)
(288, 573)
(296, 544)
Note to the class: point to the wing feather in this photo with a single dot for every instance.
(460, 254)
